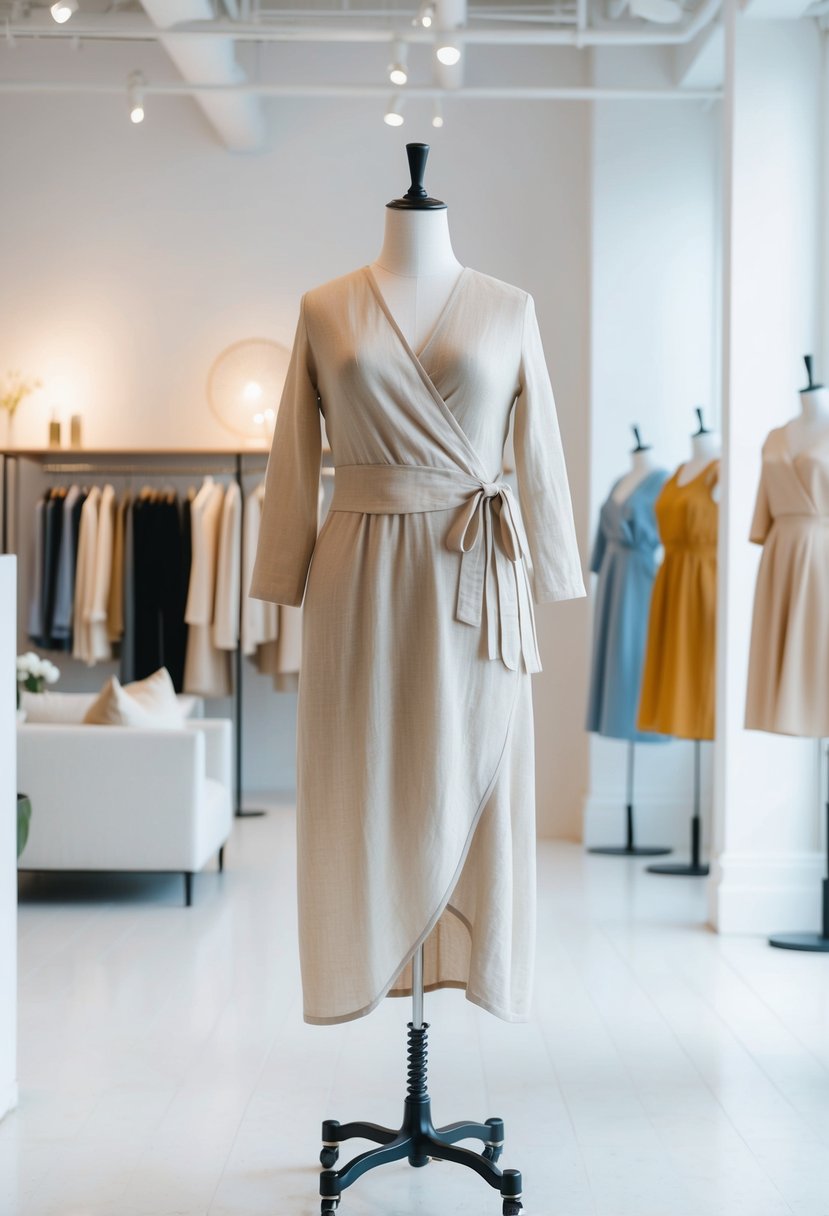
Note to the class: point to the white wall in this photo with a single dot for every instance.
(138, 253)
(8, 841)
(654, 356)
(766, 798)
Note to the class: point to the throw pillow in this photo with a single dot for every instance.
(67, 708)
(157, 696)
(114, 706)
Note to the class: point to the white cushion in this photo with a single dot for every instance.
(157, 696)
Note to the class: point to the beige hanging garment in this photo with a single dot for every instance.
(99, 643)
(85, 576)
(226, 601)
(260, 619)
(415, 794)
(206, 669)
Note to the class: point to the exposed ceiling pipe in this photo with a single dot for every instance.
(468, 93)
(204, 59)
(125, 28)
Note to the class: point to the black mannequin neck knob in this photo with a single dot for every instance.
(811, 386)
(640, 446)
(702, 429)
(416, 198)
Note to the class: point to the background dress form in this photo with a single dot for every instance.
(678, 682)
(624, 558)
(788, 688)
(415, 796)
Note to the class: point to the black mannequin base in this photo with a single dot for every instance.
(815, 942)
(693, 869)
(418, 1140)
(630, 848)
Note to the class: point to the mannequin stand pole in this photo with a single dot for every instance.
(417, 1139)
(630, 848)
(814, 942)
(697, 868)
(240, 810)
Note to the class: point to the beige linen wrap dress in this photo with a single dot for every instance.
(788, 673)
(415, 771)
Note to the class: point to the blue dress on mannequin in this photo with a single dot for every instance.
(624, 558)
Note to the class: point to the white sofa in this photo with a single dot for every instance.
(126, 798)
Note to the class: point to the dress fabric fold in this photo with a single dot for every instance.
(624, 559)
(788, 692)
(415, 794)
(678, 681)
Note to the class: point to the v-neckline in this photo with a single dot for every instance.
(415, 359)
(417, 356)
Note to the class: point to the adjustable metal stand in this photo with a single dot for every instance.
(815, 942)
(417, 1139)
(697, 868)
(630, 848)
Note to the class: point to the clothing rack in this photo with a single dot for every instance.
(149, 463)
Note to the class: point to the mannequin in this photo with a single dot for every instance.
(813, 424)
(641, 464)
(706, 446)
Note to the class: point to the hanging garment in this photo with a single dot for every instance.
(34, 626)
(678, 682)
(415, 795)
(159, 629)
(127, 669)
(96, 610)
(206, 670)
(228, 572)
(65, 589)
(115, 604)
(788, 693)
(260, 619)
(85, 576)
(624, 558)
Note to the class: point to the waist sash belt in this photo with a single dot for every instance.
(487, 532)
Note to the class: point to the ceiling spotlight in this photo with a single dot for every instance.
(135, 93)
(448, 52)
(437, 114)
(425, 16)
(397, 67)
(393, 116)
(63, 10)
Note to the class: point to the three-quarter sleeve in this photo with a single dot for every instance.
(288, 529)
(543, 488)
(761, 521)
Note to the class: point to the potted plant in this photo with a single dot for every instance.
(14, 390)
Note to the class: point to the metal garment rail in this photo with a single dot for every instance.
(152, 465)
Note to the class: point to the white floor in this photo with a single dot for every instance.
(165, 1069)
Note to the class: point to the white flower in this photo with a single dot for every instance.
(51, 674)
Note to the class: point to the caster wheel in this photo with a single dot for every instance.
(512, 1207)
(492, 1152)
(328, 1157)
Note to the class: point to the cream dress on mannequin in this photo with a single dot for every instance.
(415, 795)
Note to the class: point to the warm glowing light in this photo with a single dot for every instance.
(393, 116)
(258, 419)
(252, 391)
(137, 114)
(270, 415)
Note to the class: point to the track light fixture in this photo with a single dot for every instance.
(398, 73)
(63, 10)
(448, 51)
(393, 116)
(135, 93)
(437, 114)
(425, 16)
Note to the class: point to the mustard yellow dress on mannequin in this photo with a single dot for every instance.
(678, 680)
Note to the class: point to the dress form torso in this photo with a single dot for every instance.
(642, 464)
(812, 425)
(416, 270)
(705, 448)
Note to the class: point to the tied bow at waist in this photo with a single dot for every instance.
(487, 532)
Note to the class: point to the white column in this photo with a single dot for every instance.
(767, 869)
(8, 838)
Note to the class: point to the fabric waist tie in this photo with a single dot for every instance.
(487, 532)
(799, 518)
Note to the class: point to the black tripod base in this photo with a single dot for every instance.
(417, 1140)
(679, 868)
(626, 850)
(242, 813)
(815, 942)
